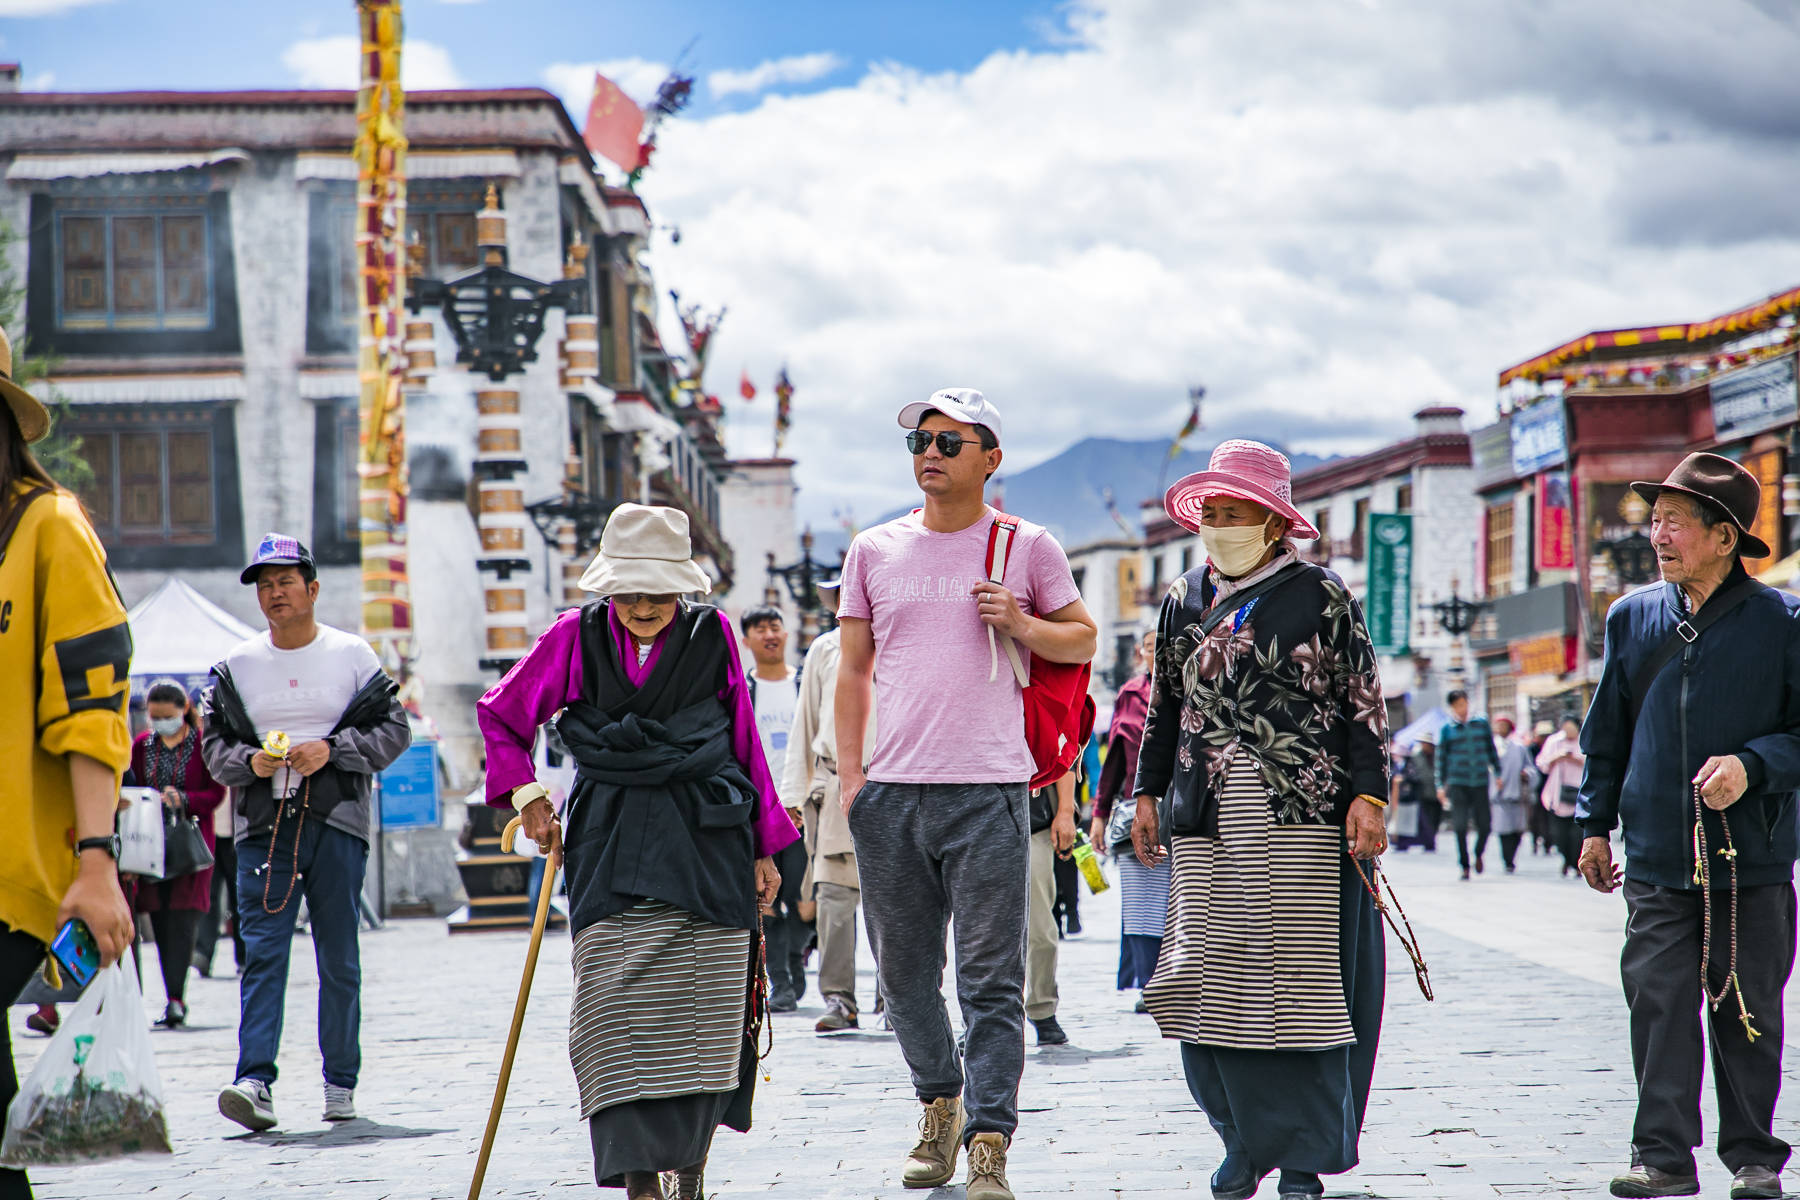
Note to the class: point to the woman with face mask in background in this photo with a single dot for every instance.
(167, 758)
(1266, 742)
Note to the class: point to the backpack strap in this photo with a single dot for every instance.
(999, 551)
(1685, 634)
(16, 514)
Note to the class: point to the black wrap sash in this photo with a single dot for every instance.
(661, 808)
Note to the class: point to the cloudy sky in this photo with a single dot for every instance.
(1331, 212)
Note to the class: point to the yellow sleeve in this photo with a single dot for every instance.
(84, 643)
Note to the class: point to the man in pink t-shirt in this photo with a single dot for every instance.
(940, 821)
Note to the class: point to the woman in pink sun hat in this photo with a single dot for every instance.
(1264, 765)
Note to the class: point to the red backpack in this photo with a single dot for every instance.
(1059, 713)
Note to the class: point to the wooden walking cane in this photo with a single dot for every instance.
(518, 1021)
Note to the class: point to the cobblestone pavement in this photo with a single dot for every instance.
(1516, 1082)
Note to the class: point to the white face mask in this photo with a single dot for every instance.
(1235, 549)
(166, 726)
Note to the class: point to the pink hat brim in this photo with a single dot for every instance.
(1184, 499)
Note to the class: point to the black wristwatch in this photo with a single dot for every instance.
(109, 843)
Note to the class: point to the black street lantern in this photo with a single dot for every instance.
(802, 581)
(1633, 559)
(1457, 615)
(496, 315)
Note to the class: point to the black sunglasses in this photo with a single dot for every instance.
(949, 443)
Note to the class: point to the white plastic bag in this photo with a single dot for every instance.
(95, 1093)
(141, 833)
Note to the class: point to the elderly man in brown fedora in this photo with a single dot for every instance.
(1693, 744)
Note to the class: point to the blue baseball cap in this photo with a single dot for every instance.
(280, 550)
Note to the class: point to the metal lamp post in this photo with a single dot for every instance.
(496, 316)
(802, 581)
(1458, 617)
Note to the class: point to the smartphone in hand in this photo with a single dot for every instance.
(76, 952)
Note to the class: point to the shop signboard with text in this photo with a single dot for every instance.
(1616, 522)
(1555, 522)
(1538, 439)
(1390, 582)
(1753, 399)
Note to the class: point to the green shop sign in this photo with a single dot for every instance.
(1390, 582)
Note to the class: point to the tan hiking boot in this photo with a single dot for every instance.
(932, 1162)
(987, 1168)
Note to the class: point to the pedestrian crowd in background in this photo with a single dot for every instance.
(723, 825)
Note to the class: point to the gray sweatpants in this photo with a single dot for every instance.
(927, 851)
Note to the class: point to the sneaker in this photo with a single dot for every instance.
(1648, 1181)
(932, 1162)
(783, 1000)
(340, 1103)
(1049, 1033)
(174, 1016)
(1140, 1007)
(839, 1016)
(249, 1103)
(39, 1022)
(1756, 1183)
(987, 1168)
(686, 1184)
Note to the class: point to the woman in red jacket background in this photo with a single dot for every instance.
(168, 759)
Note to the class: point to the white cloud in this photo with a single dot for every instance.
(801, 68)
(42, 8)
(574, 82)
(43, 81)
(331, 62)
(1330, 214)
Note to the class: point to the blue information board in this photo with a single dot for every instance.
(409, 789)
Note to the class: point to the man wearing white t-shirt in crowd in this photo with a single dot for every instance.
(300, 720)
(775, 693)
(940, 821)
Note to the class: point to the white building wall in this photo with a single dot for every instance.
(756, 518)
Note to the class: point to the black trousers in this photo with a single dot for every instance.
(224, 907)
(1509, 849)
(20, 957)
(787, 934)
(1469, 806)
(175, 933)
(1067, 908)
(1565, 838)
(1661, 969)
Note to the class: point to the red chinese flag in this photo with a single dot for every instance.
(614, 124)
(746, 389)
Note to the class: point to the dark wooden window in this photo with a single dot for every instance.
(164, 491)
(133, 266)
(1403, 498)
(1359, 529)
(336, 532)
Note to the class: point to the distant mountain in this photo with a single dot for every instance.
(1067, 494)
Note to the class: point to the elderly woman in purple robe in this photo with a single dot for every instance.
(668, 840)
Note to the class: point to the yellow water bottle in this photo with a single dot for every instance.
(1089, 862)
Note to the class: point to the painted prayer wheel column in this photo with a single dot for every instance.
(501, 523)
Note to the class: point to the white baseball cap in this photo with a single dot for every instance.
(959, 404)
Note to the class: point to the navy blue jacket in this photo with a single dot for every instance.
(1735, 690)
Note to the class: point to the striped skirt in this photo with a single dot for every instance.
(660, 998)
(1250, 955)
(1143, 896)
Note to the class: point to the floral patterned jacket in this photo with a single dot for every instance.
(1289, 682)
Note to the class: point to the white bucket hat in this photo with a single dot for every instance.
(645, 549)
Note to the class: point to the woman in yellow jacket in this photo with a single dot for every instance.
(65, 653)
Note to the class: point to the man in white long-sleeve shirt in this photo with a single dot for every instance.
(810, 783)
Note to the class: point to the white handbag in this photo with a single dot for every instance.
(141, 833)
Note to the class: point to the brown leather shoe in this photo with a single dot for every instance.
(1756, 1182)
(1643, 1181)
(932, 1162)
(987, 1168)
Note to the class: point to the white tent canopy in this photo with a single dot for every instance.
(177, 632)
